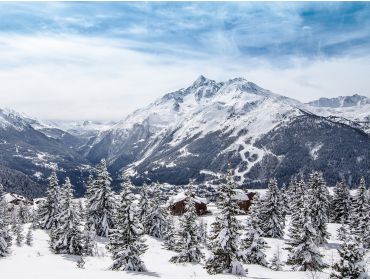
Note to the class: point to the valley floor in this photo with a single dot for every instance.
(39, 262)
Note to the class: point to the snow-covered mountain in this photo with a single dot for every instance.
(194, 132)
(27, 155)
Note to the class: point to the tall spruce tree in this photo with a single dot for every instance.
(253, 245)
(320, 206)
(169, 238)
(272, 211)
(90, 247)
(100, 201)
(66, 238)
(304, 253)
(49, 210)
(296, 205)
(189, 240)
(360, 220)
(125, 241)
(5, 236)
(18, 231)
(225, 232)
(351, 264)
(156, 219)
(29, 237)
(144, 206)
(341, 203)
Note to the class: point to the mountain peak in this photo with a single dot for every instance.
(202, 81)
(340, 101)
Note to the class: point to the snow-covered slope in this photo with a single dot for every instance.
(195, 131)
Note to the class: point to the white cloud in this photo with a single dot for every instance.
(66, 77)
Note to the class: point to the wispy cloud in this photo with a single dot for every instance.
(102, 60)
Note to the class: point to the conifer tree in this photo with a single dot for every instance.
(360, 220)
(351, 264)
(319, 197)
(18, 231)
(29, 237)
(342, 231)
(304, 253)
(169, 238)
(144, 206)
(50, 209)
(90, 247)
(188, 233)
(341, 203)
(297, 202)
(5, 237)
(253, 245)
(225, 232)
(273, 225)
(125, 241)
(203, 231)
(67, 237)
(276, 262)
(24, 213)
(100, 201)
(284, 202)
(156, 218)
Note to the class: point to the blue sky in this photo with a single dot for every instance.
(100, 53)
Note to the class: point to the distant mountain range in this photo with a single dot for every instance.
(193, 133)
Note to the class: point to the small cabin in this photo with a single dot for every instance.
(177, 204)
(16, 199)
(244, 199)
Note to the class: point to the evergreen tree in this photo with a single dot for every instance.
(225, 232)
(169, 238)
(341, 203)
(342, 232)
(144, 206)
(18, 231)
(24, 213)
(100, 201)
(125, 241)
(351, 264)
(319, 206)
(67, 237)
(5, 237)
(203, 231)
(273, 225)
(360, 220)
(276, 262)
(284, 202)
(188, 234)
(253, 244)
(156, 218)
(81, 263)
(90, 247)
(296, 205)
(50, 209)
(29, 237)
(304, 253)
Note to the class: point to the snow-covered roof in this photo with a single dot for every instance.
(11, 197)
(240, 195)
(182, 196)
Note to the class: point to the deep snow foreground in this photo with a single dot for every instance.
(39, 262)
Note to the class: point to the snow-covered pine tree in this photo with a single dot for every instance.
(24, 213)
(144, 206)
(273, 219)
(276, 263)
(342, 231)
(304, 253)
(125, 241)
(253, 245)
(284, 202)
(50, 209)
(5, 237)
(359, 217)
(296, 205)
(203, 231)
(29, 237)
(169, 238)
(320, 206)
(341, 203)
(225, 232)
(156, 218)
(351, 264)
(101, 205)
(90, 247)
(18, 231)
(66, 238)
(188, 238)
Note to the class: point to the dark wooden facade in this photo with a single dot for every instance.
(178, 208)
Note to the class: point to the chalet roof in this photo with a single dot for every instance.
(240, 195)
(181, 196)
